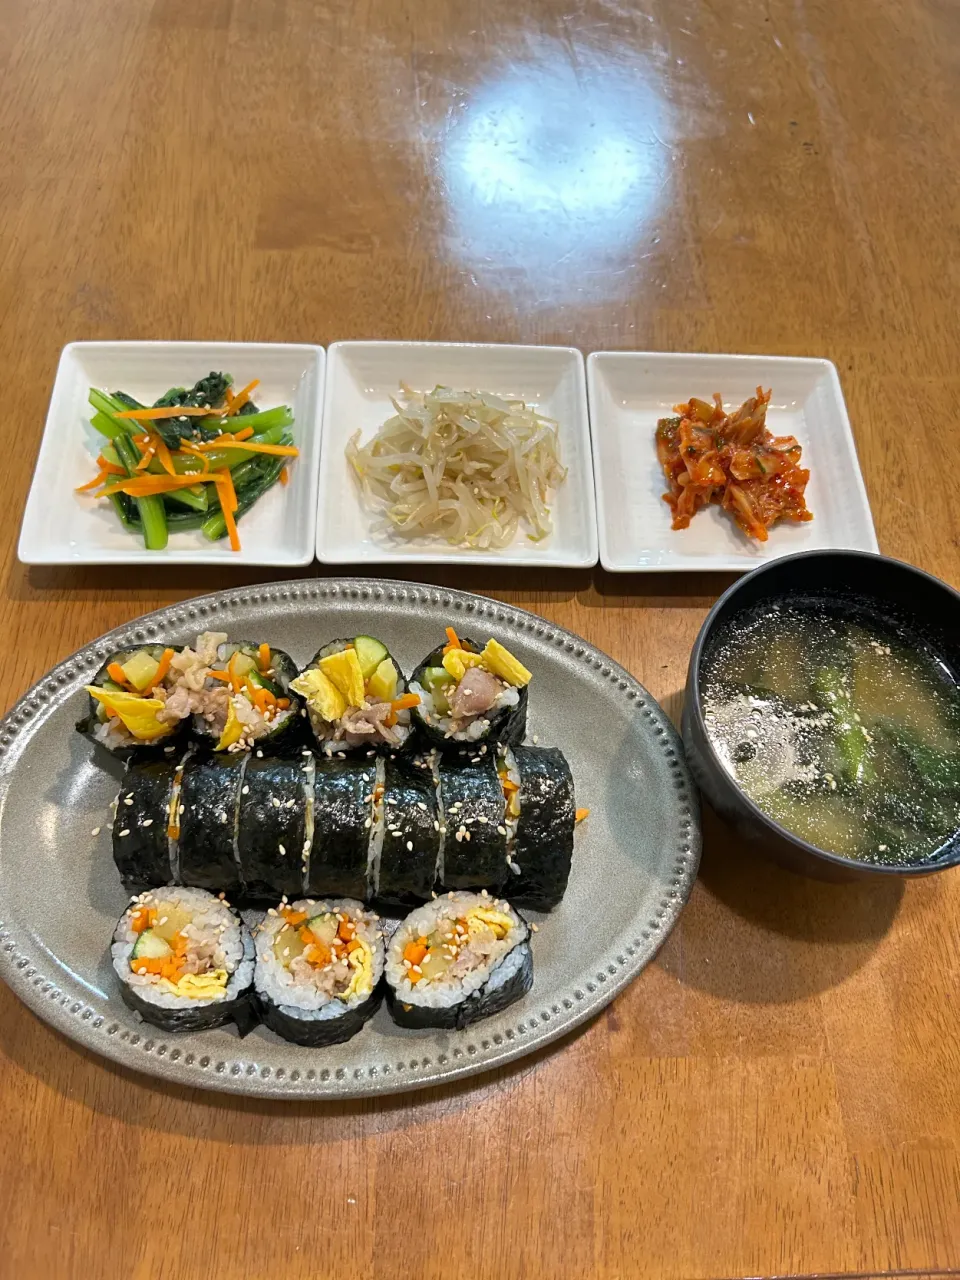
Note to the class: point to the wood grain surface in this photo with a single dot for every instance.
(777, 1093)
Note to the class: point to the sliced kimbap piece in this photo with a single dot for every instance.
(470, 693)
(541, 817)
(456, 960)
(272, 826)
(184, 960)
(209, 817)
(410, 849)
(130, 706)
(318, 970)
(474, 852)
(246, 697)
(143, 850)
(356, 697)
(342, 807)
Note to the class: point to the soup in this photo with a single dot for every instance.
(843, 728)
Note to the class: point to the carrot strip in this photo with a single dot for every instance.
(452, 641)
(165, 659)
(195, 453)
(231, 524)
(92, 484)
(250, 446)
(146, 459)
(284, 476)
(145, 485)
(163, 453)
(225, 482)
(220, 675)
(241, 398)
(231, 672)
(263, 657)
(168, 411)
(245, 434)
(406, 702)
(581, 814)
(283, 703)
(111, 468)
(118, 675)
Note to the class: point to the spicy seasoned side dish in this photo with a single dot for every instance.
(734, 461)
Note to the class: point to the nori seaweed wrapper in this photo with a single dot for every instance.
(410, 809)
(482, 1003)
(88, 724)
(330, 747)
(337, 864)
(142, 854)
(272, 828)
(317, 1033)
(209, 794)
(544, 844)
(472, 801)
(508, 725)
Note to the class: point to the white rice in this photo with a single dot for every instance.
(511, 824)
(475, 729)
(300, 999)
(209, 913)
(375, 847)
(309, 781)
(173, 813)
(440, 994)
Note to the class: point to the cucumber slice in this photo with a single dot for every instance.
(323, 928)
(370, 653)
(439, 684)
(150, 946)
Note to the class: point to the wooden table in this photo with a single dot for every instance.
(778, 1092)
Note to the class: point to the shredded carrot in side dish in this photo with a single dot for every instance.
(284, 476)
(167, 411)
(240, 399)
(733, 460)
(245, 434)
(111, 468)
(98, 479)
(163, 453)
(146, 459)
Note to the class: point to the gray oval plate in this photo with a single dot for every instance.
(635, 861)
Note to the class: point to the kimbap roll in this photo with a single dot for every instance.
(184, 960)
(146, 823)
(318, 969)
(242, 695)
(470, 693)
(131, 701)
(474, 852)
(356, 697)
(456, 960)
(540, 822)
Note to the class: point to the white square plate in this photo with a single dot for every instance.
(630, 390)
(361, 378)
(61, 526)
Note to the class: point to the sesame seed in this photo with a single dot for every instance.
(436, 825)
(275, 802)
(125, 831)
(421, 805)
(482, 819)
(535, 928)
(147, 822)
(128, 801)
(369, 823)
(535, 739)
(410, 845)
(259, 754)
(282, 850)
(245, 790)
(95, 831)
(183, 808)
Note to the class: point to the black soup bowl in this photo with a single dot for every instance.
(884, 588)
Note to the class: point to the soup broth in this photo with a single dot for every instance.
(841, 727)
